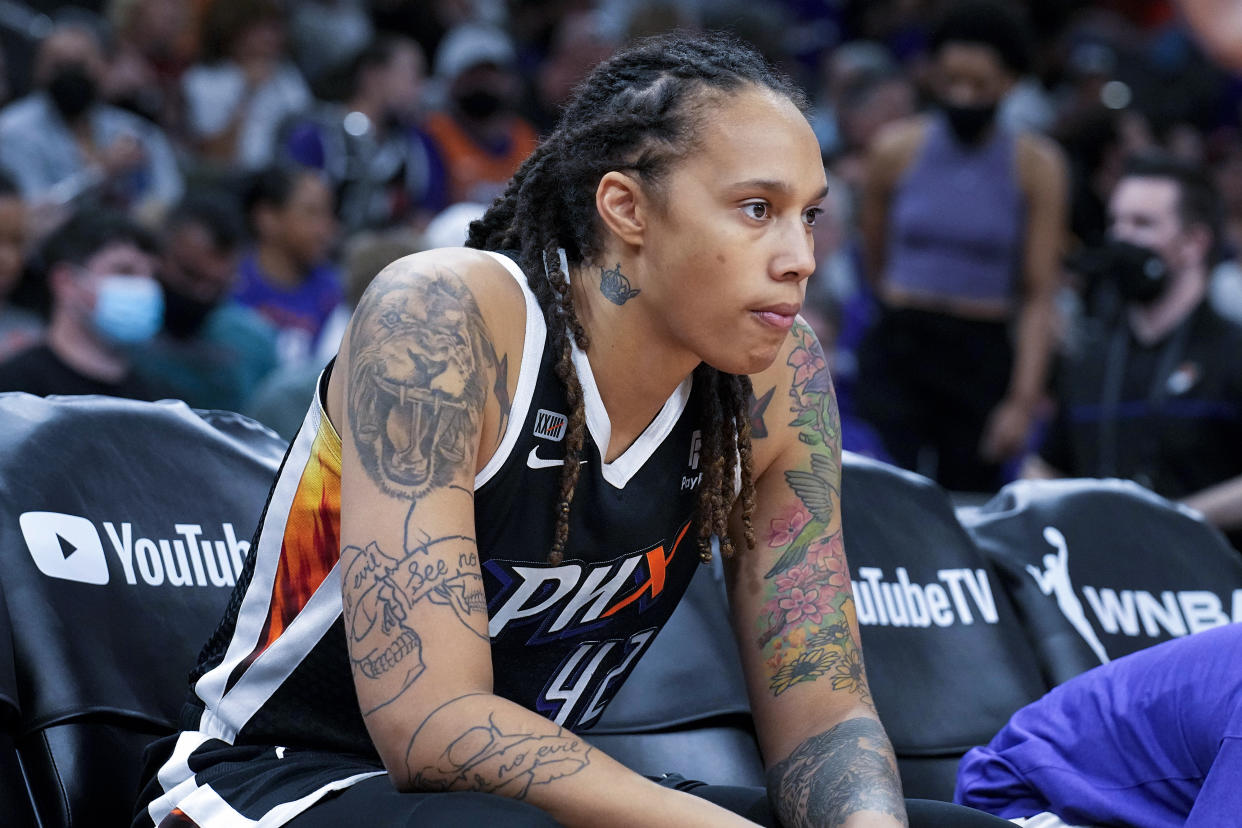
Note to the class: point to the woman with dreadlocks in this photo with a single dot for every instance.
(538, 439)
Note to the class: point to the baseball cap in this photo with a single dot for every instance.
(470, 44)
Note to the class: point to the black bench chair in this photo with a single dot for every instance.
(123, 527)
(946, 656)
(1102, 568)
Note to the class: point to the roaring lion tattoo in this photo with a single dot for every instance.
(418, 383)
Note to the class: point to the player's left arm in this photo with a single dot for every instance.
(829, 761)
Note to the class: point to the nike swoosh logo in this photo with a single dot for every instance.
(534, 461)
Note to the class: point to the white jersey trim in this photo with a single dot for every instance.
(275, 664)
(528, 373)
(205, 806)
(621, 470)
(175, 776)
(252, 614)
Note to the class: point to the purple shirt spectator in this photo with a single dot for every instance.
(299, 313)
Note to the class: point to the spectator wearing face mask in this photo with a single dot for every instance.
(963, 223)
(1153, 393)
(105, 301)
(62, 143)
(212, 352)
(479, 134)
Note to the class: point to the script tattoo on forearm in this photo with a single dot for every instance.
(842, 771)
(418, 382)
(502, 760)
(382, 591)
(804, 628)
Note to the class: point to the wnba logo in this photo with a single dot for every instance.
(696, 444)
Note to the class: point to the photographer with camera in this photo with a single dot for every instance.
(1153, 390)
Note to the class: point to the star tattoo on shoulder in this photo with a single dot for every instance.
(758, 407)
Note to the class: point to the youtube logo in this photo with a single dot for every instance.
(65, 546)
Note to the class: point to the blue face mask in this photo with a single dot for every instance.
(129, 310)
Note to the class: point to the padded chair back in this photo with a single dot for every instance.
(1102, 568)
(123, 527)
(946, 658)
(12, 785)
(684, 708)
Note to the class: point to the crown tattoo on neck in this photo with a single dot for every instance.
(615, 287)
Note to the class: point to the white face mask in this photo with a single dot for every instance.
(129, 310)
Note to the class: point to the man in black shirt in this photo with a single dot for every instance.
(99, 271)
(1154, 393)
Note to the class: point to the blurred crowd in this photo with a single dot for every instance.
(194, 193)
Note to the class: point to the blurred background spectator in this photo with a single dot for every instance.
(964, 223)
(287, 275)
(245, 86)
(383, 166)
(152, 43)
(327, 35)
(19, 327)
(1153, 393)
(479, 132)
(62, 142)
(212, 351)
(104, 301)
(280, 402)
(969, 185)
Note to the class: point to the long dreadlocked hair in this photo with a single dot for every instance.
(638, 112)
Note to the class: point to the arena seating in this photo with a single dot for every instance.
(1102, 568)
(946, 658)
(103, 605)
(123, 526)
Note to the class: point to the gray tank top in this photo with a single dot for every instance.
(957, 219)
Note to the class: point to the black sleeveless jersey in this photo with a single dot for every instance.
(273, 713)
(565, 637)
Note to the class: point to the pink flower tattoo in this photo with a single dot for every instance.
(805, 605)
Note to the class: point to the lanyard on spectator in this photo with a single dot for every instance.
(1114, 381)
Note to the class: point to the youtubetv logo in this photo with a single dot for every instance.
(70, 547)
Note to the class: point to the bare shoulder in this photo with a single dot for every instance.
(489, 284)
(895, 146)
(793, 403)
(450, 309)
(1041, 162)
(901, 139)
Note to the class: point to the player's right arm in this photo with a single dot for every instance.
(420, 396)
